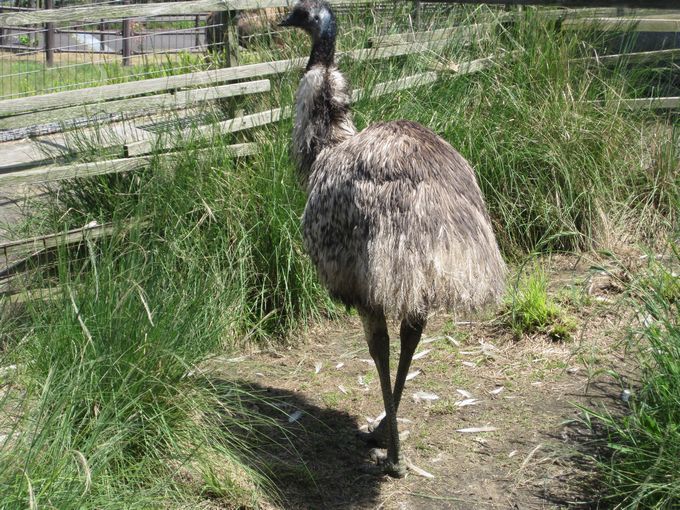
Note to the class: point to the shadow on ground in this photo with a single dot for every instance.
(315, 461)
(586, 447)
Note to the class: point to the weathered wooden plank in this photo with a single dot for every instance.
(134, 107)
(38, 243)
(262, 118)
(137, 88)
(639, 4)
(380, 89)
(624, 24)
(641, 57)
(460, 33)
(154, 141)
(104, 11)
(73, 171)
(25, 296)
(651, 103)
(122, 90)
(15, 155)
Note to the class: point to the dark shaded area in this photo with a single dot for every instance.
(583, 487)
(315, 462)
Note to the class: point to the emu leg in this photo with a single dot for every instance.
(375, 328)
(410, 332)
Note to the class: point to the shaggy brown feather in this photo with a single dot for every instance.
(395, 221)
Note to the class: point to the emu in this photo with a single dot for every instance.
(395, 222)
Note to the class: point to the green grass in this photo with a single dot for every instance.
(643, 461)
(531, 310)
(29, 77)
(208, 257)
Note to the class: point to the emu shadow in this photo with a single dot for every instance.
(311, 454)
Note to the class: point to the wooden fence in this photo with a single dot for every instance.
(106, 115)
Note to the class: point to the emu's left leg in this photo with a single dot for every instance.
(375, 328)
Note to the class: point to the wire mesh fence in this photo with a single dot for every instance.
(57, 55)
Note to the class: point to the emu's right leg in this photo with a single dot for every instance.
(410, 333)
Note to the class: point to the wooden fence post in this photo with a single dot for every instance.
(102, 27)
(197, 24)
(49, 37)
(127, 34)
(417, 13)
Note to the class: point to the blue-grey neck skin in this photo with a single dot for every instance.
(323, 40)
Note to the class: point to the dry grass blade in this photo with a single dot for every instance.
(475, 430)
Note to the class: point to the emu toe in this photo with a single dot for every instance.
(377, 436)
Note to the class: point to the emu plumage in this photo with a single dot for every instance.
(395, 222)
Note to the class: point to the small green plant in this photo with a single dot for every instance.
(532, 310)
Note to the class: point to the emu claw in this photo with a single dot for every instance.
(383, 466)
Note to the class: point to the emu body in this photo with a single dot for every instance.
(395, 222)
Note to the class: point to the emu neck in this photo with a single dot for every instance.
(323, 51)
(322, 114)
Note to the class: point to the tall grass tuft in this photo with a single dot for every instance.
(644, 444)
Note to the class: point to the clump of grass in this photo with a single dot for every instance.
(107, 408)
(530, 309)
(641, 470)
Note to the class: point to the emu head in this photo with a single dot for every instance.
(314, 17)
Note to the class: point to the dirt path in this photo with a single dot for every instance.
(526, 389)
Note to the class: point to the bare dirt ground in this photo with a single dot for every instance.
(527, 389)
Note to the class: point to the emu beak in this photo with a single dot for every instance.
(286, 22)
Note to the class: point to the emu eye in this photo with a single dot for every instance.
(316, 17)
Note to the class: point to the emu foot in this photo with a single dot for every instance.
(383, 466)
(377, 436)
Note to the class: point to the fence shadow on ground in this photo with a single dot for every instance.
(586, 446)
(316, 461)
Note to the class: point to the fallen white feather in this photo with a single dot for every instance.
(259, 374)
(431, 339)
(469, 364)
(466, 394)
(470, 352)
(418, 471)
(423, 396)
(367, 361)
(295, 416)
(453, 341)
(512, 454)
(413, 375)
(497, 390)
(339, 366)
(467, 402)
(317, 367)
(421, 354)
(342, 389)
(474, 430)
